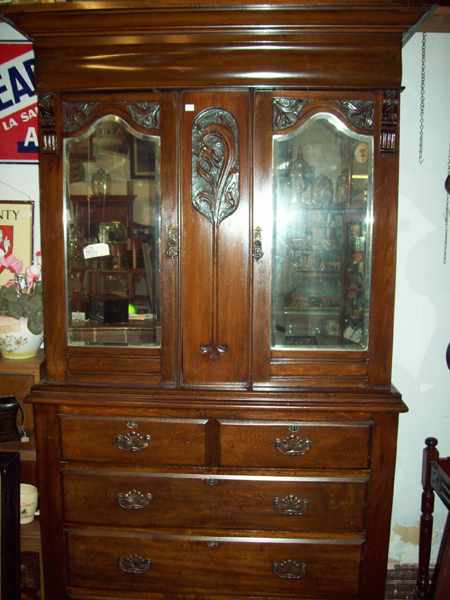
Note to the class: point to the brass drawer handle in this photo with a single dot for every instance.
(290, 505)
(134, 564)
(132, 441)
(134, 499)
(293, 445)
(211, 482)
(289, 569)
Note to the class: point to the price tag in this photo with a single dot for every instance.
(96, 250)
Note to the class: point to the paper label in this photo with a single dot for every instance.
(96, 250)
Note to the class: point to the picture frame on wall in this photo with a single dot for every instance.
(10, 525)
(142, 159)
(16, 237)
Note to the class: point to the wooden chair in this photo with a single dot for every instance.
(435, 479)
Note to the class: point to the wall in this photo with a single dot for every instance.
(422, 319)
(422, 328)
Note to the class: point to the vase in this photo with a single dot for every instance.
(16, 340)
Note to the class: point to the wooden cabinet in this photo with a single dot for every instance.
(224, 426)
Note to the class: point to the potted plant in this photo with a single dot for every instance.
(21, 319)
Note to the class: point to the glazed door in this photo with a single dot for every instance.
(120, 237)
(215, 242)
(313, 239)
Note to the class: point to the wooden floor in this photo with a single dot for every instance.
(401, 582)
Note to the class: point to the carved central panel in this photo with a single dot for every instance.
(215, 167)
(215, 193)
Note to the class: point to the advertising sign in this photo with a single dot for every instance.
(18, 104)
(16, 238)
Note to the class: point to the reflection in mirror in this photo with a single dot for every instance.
(322, 191)
(112, 220)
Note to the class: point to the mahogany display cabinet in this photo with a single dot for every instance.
(218, 207)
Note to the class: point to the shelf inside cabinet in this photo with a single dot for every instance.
(135, 332)
(27, 450)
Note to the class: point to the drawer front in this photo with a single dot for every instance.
(138, 562)
(303, 445)
(167, 500)
(133, 441)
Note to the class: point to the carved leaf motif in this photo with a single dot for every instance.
(76, 115)
(359, 112)
(286, 111)
(215, 165)
(145, 113)
(390, 107)
(46, 112)
(389, 121)
(48, 140)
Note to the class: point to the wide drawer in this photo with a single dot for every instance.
(142, 562)
(148, 441)
(300, 445)
(219, 501)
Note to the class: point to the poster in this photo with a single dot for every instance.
(16, 238)
(18, 104)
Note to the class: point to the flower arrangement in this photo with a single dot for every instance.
(21, 297)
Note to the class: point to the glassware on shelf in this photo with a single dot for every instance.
(112, 212)
(322, 192)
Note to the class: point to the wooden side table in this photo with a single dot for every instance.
(435, 480)
(16, 378)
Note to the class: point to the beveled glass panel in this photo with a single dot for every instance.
(322, 192)
(112, 214)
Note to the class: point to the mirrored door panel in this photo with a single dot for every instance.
(112, 228)
(321, 234)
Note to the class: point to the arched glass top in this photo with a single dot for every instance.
(112, 224)
(322, 236)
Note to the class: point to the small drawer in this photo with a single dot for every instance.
(295, 445)
(167, 563)
(127, 440)
(220, 501)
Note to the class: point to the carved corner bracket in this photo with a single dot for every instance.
(48, 138)
(145, 113)
(286, 112)
(389, 122)
(76, 115)
(360, 113)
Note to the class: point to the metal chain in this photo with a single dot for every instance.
(422, 98)
(446, 209)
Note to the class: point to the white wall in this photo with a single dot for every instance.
(422, 328)
(422, 309)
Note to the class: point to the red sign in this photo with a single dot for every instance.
(18, 104)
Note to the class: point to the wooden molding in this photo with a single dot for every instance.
(197, 44)
(438, 21)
